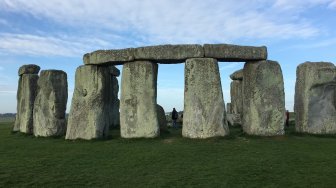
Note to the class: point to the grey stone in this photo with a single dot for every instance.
(237, 75)
(168, 53)
(315, 98)
(233, 119)
(161, 118)
(26, 94)
(228, 108)
(236, 92)
(113, 57)
(204, 108)
(90, 107)
(138, 111)
(29, 69)
(114, 71)
(115, 103)
(228, 52)
(263, 99)
(50, 104)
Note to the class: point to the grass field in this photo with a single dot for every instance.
(169, 161)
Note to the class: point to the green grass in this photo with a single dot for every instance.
(293, 160)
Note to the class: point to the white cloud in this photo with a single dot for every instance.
(299, 5)
(172, 21)
(47, 45)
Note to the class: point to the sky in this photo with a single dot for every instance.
(55, 34)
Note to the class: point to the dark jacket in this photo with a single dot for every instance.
(174, 114)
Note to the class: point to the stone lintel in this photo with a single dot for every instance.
(112, 57)
(169, 54)
(234, 53)
(29, 69)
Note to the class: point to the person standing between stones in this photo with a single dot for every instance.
(174, 118)
(287, 118)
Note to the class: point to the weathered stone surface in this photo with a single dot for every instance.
(168, 53)
(228, 52)
(115, 103)
(236, 92)
(204, 107)
(114, 71)
(50, 104)
(238, 75)
(263, 99)
(233, 119)
(161, 118)
(113, 57)
(315, 98)
(138, 111)
(228, 108)
(29, 69)
(26, 94)
(90, 107)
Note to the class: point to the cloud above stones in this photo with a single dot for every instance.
(118, 24)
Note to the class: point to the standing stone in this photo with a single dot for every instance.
(138, 111)
(162, 118)
(89, 113)
(25, 103)
(264, 99)
(115, 103)
(315, 98)
(204, 107)
(50, 104)
(228, 108)
(236, 97)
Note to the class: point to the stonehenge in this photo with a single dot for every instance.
(168, 54)
(263, 98)
(315, 98)
(161, 118)
(234, 116)
(204, 107)
(26, 94)
(50, 104)
(138, 111)
(89, 118)
(115, 102)
(236, 92)
(257, 94)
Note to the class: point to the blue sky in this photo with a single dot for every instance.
(55, 34)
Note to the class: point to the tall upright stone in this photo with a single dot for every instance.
(228, 108)
(27, 89)
(315, 98)
(264, 99)
(138, 111)
(162, 118)
(236, 92)
(90, 107)
(115, 102)
(204, 108)
(50, 104)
